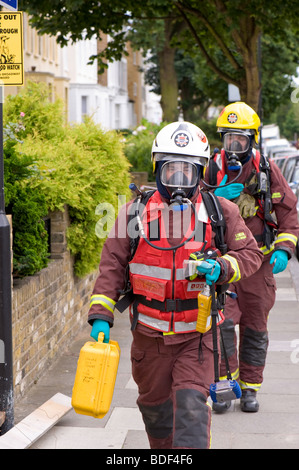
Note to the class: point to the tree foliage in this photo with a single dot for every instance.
(49, 165)
(230, 26)
(138, 147)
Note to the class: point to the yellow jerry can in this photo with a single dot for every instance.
(95, 377)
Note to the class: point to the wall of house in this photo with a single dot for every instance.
(48, 310)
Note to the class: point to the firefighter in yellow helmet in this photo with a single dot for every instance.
(268, 207)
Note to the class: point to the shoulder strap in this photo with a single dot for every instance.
(213, 170)
(215, 214)
(134, 241)
(127, 292)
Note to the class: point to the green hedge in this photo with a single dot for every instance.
(138, 147)
(49, 164)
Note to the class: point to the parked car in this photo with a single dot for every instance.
(280, 157)
(280, 160)
(284, 152)
(290, 171)
(270, 131)
(275, 145)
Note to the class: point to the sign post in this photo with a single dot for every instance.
(11, 73)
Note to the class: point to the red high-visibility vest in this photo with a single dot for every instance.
(158, 277)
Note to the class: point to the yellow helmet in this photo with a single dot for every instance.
(239, 116)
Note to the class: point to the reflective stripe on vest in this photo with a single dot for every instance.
(150, 271)
(158, 273)
(162, 325)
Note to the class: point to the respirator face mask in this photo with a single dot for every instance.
(179, 176)
(236, 146)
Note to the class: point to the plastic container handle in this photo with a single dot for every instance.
(101, 337)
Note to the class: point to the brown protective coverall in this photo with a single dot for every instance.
(256, 294)
(173, 371)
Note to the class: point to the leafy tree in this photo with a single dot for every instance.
(233, 25)
(279, 66)
(287, 118)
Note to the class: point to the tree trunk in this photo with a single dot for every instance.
(251, 94)
(168, 78)
(247, 39)
(244, 33)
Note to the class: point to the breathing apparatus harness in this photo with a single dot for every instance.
(178, 197)
(219, 390)
(261, 191)
(265, 201)
(233, 164)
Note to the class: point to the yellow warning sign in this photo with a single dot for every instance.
(11, 48)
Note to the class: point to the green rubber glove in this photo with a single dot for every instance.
(280, 260)
(229, 192)
(100, 326)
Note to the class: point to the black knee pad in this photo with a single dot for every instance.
(158, 419)
(254, 347)
(192, 420)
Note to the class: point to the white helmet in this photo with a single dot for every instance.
(179, 153)
(181, 140)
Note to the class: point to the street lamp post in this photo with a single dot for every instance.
(6, 348)
(6, 356)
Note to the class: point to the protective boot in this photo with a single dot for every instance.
(248, 401)
(221, 407)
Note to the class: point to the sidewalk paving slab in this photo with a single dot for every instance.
(275, 426)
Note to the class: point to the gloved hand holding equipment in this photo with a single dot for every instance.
(100, 326)
(280, 260)
(228, 389)
(211, 268)
(229, 192)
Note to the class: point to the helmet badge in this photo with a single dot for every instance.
(181, 139)
(232, 118)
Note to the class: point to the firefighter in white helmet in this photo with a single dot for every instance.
(172, 363)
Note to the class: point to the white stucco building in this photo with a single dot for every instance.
(116, 99)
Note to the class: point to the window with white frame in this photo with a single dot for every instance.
(84, 105)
